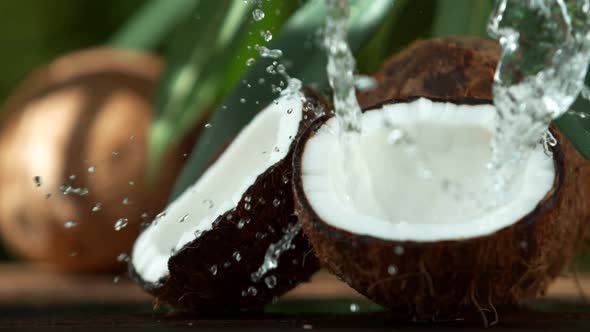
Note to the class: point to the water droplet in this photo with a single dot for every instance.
(70, 224)
(183, 218)
(270, 281)
(364, 83)
(267, 35)
(261, 200)
(250, 62)
(73, 254)
(252, 291)
(208, 125)
(307, 326)
(115, 153)
(144, 215)
(354, 307)
(276, 202)
(399, 250)
(257, 14)
(524, 245)
(248, 198)
(237, 256)
(243, 100)
(116, 279)
(91, 169)
(47, 196)
(126, 201)
(73, 177)
(391, 269)
(285, 179)
(121, 223)
(247, 206)
(213, 269)
(97, 207)
(242, 223)
(260, 236)
(226, 265)
(131, 183)
(289, 111)
(161, 215)
(210, 203)
(37, 180)
(132, 138)
(266, 52)
(123, 257)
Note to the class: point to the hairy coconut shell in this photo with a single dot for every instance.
(87, 109)
(205, 275)
(443, 279)
(440, 68)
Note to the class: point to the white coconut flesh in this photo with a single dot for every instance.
(261, 144)
(417, 173)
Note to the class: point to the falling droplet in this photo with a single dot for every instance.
(243, 100)
(208, 125)
(144, 215)
(237, 256)
(391, 269)
(252, 291)
(37, 180)
(276, 202)
(123, 257)
(266, 52)
(267, 35)
(270, 281)
(97, 207)
(132, 138)
(247, 206)
(399, 250)
(354, 307)
(91, 169)
(183, 218)
(73, 177)
(131, 183)
(116, 279)
(121, 223)
(126, 201)
(250, 62)
(257, 14)
(307, 326)
(70, 224)
(242, 223)
(213, 269)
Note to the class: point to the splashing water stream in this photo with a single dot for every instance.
(546, 50)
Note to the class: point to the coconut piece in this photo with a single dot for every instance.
(402, 240)
(437, 68)
(232, 241)
(73, 160)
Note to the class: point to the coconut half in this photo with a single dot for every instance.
(399, 214)
(207, 251)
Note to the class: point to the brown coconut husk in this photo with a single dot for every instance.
(444, 279)
(192, 286)
(91, 108)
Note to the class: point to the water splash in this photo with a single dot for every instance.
(275, 250)
(546, 50)
(341, 66)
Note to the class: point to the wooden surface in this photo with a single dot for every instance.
(35, 298)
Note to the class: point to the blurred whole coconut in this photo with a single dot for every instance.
(73, 160)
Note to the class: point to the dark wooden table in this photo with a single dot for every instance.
(31, 298)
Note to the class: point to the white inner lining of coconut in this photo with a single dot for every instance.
(382, 191)
(261, 144)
